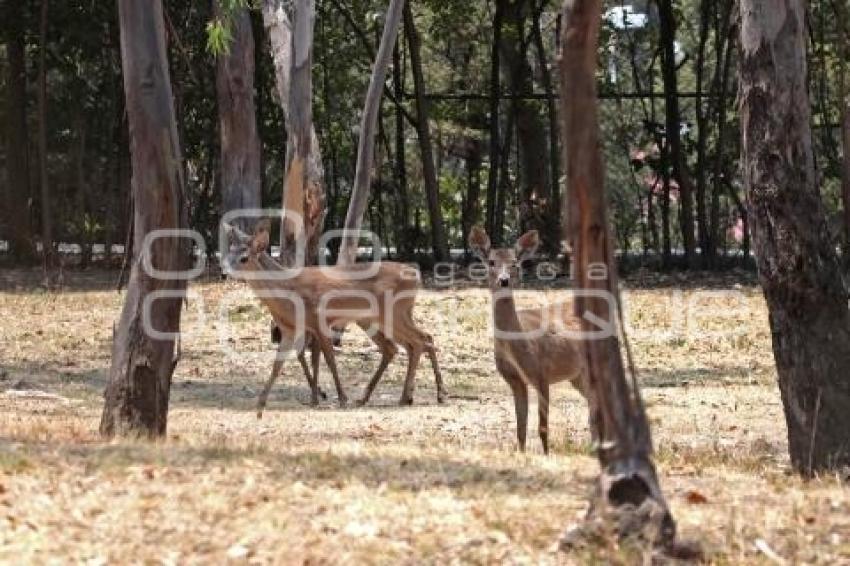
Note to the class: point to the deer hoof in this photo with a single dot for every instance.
(314, 401)
(441, 398)
(343, 402)
(323, 395)
(405, 401)
(361, 402)
(260, 415)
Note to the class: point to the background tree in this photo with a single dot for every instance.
(137, 394)
(17, 194)
(240, 142)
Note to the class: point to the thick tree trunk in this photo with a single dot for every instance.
(136, 397)
(619, 425)
(423, 127)
(46, 217)
(303, 192)
(17, 209)
(240, 143)
(798, 267)
(368, 130)
(667, 31)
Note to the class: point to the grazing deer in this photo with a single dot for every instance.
(377, 297)
(526, 353)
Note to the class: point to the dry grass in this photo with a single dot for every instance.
(434, 484)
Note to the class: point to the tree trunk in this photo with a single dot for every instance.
(798, 267)
(46, 217)
(703, 130)
(240, 143)
(553, 207)
(368, 130)
(844, 113)
(17, 209)
(429, 171)
(403, 202)
(667, 31)
(136, 397)
(535, 187)
(723, 70)
(495, 136)
(618, 421)
(303, 193)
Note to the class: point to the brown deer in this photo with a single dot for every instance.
(377, 297)
(530, 346)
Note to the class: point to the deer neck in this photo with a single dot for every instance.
(504, 312)
(265, 263)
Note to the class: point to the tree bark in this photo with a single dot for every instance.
(17, 208)
(667, 31)
(44, 183)
(618, 421)
(798, 267)
(137, 395)
(303, 192)
(368, 130)
(423, 127)
(703, 130)
(240, 142)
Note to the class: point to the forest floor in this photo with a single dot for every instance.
(424, 484)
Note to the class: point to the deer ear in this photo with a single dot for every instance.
(479, 241)
(234, 234)
(260, 241)
(527, 245)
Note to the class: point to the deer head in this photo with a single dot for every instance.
(242, 248)
(503, 264)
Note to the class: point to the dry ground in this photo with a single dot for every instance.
(425, 484)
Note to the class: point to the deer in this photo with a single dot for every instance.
(530, 347)
(377, 297)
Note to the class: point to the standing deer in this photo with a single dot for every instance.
(377, 297)
(530, 348)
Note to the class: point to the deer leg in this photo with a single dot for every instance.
(328, 351)
(414, 352)
(543, 415)
(311, 380)
(520, 392)
(315, 358)
(438, 377)
(276, 367)
(388, 352)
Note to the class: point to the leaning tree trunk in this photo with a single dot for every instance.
(618, 421)
(368, 130)
(136, 397)
(240, 143)
(304, 186)
(798, 267)
(423, 129)
(46, 217)
(16, 208)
